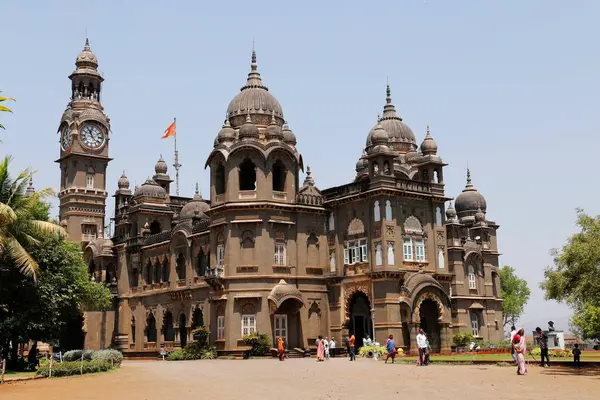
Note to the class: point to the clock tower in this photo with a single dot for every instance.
(84, 134)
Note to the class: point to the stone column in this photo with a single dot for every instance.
(445, 337)
(189, 266)
(173, 270)
(413, 331)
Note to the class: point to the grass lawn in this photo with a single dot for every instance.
(590, 356)
(14, 374)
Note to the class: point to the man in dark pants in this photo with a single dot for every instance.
(543, 338)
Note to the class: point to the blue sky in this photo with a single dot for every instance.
(508, 87)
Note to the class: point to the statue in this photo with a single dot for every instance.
(551, 326)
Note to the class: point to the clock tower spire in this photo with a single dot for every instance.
(84, 134)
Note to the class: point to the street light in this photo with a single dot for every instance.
(373, 322)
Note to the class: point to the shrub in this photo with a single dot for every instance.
(68, 368)
(201, 334)
(75, 355)
(462, 338)
(558, 353)
(110, 355)
(260, 343)
(536, 351)
(176, 355)
(193, 351)
(366, 350)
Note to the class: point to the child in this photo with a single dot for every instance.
(576, 356)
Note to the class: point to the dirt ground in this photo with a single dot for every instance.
(309, 379)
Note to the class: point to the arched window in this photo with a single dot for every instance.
(438, 216)
(279, 176)
(151, 329)
(312, 248)
(378, 255)
(388, 210)
(155, 227)
(474, 323)
(471, 277)
(202, 263)
(157, 272)
(441, 259)
(220, 251)
(168, 329)
(247, 242)
(149, 274)
(220, 179)
(391, 259)
(331, 222)
(436, 178)
(376, 212)
(332, 262)
(407, 247)
(182, 330)
(180, 266)
(165, 270)
(280, 253)
(386, 168)
(247, 175)
(494, 284)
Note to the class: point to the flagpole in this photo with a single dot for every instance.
(176, 163)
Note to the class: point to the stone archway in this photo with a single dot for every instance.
(285, 302)
(429, 322)
(360, 322)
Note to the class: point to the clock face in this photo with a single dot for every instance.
(92, 136)
(65, 141)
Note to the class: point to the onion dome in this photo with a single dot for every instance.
(161, 166)
(150, 189)
(273, 131)
(470, 200)
(288, 135)
(380, 139)
(195, 208)
(248, 130)
(30, 191)
(254, 99)
(450, 212)
(401, 137)
(123, 181)
(429, 146)
(226, 134)
(87, 59)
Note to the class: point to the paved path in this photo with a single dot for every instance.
(307, 379)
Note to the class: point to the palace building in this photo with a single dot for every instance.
(268, 252)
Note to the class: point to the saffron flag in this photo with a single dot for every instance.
(170, 131)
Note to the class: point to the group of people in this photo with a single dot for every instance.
(324, 347)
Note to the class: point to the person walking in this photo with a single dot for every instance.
(422, 346)
(326, 347)
(320, 349)
(513, 332)
(391, 349)
(352, 341)
(280, 348)
(577, 356)
(521, 349)
(332, 346)
(543, 338)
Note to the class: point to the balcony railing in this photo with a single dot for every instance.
(88, 237)
(212, 273)
(279, 195)
(309, 199)
(247, 194)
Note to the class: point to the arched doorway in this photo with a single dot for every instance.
(197, 318)
(182, 330)
(151, 329)
(429, 313)
(286, 323)
(168, 330)
(360, 317)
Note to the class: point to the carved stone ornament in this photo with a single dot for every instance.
(356, 227)
(440, 236)
(377, 231)
(412, 225)
(350, 289)
(389, 231)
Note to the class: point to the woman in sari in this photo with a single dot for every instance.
(520, 349)
(320, 349)
(280, 348)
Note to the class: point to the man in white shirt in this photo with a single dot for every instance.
(332, 345)
(326, 347)
(513, 332)
(422, 345)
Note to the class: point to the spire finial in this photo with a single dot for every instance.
(253, 65)
(378, 117)
(87, 44)
(197, 188)
(388, 94)
(469, 184)
(248, 119)
(273, 122)
(308, 180)
(428, 135)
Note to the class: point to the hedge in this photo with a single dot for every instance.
(68, 368)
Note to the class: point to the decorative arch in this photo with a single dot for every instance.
(349, 294)
(284, 291)
(356, 227)
(412, 225)
(428, 296)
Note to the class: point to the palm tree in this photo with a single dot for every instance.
(4, 108)
(18, 228)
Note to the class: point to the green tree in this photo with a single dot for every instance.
(575, 276)
(19, 228)
(515, 294)
(4, 108)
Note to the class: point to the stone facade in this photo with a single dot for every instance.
(380, 255)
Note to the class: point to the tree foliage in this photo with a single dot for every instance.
(4, 108)
(19, 227)
(575, 276)
(515, 294)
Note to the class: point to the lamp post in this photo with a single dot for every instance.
(373, 323)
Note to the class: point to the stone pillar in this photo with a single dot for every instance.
(173, 270)
(189, 266)
(413, 331)
(445, 337)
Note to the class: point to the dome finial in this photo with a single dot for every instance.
(253, 64)
(309, 180)
(248, 119)
(469, 184)
(273, 122)
(388, 94)
(87, 45)
(428, 133)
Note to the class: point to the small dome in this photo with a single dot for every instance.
(288, 135)
(150, 189)
(86, 59)
(248, 130)
(161, 166)
(195, 208)
(380, 136)
(429, 146)
(470, 200)
(273, 131)
(361, 164)
(30, 191)
(226, 134)
(123, 181)
(479, 215)
(450, 212)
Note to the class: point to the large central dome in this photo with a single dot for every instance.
(255, 100)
